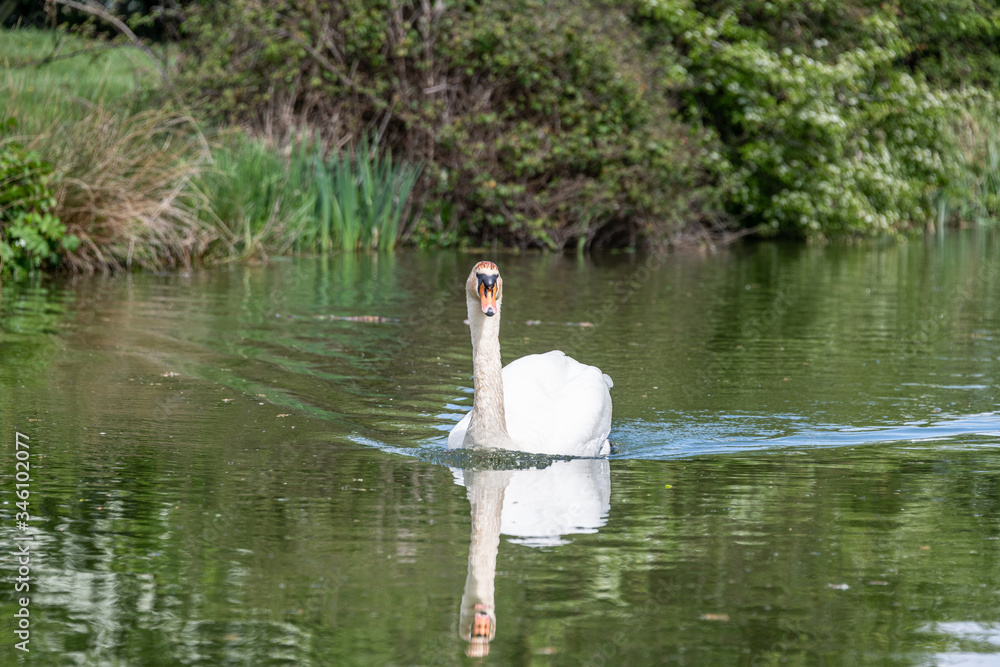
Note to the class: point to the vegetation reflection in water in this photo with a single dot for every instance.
(246, 465)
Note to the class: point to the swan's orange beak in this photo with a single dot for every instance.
(484, 628)
(489, 289)
(482, 624)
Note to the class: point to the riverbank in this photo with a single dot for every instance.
(113, 167)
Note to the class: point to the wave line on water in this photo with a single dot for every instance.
(691, 435)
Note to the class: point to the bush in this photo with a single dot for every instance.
(121, 175)
(124, 187)
(951, 42)
(31, 236)
(538, 123)
(609, 123)
(820, 132)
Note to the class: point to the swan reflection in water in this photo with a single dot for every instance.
(535, 507)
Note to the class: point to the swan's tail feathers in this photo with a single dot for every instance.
(608, 382)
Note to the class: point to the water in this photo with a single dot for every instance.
(245, 465)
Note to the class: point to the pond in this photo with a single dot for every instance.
(247, 464)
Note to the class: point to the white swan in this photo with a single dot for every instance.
(542, 403)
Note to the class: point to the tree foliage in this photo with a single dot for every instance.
(545, 123)
(822, 129)
(598, 122)
(539, 123)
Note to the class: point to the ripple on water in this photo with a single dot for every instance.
(690, 435)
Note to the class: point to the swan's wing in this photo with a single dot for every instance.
(457, 436)
(556, 405)
(540, 506)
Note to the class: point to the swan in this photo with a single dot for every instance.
(542, 403)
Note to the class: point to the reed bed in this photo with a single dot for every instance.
(360, 199)
(301, 200)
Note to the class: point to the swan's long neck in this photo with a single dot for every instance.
(488, 422)
(486, 490)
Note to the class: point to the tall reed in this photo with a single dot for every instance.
(306, 201)
(360, 199)
(975, 197)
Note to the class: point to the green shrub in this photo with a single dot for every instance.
(952, 42)
(820, 132)
(31, 236)
(539, 123)
(554, 123)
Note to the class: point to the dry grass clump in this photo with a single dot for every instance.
(124, 186)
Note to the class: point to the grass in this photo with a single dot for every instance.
(123, 174)
(360, 199)
(124, 187)
(256, 200)
(36, 66)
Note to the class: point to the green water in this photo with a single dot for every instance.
(245, 465)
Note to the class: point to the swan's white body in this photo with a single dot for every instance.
(553, 404)
(542, 403)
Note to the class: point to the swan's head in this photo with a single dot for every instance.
(482, 632)
(485, 285)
